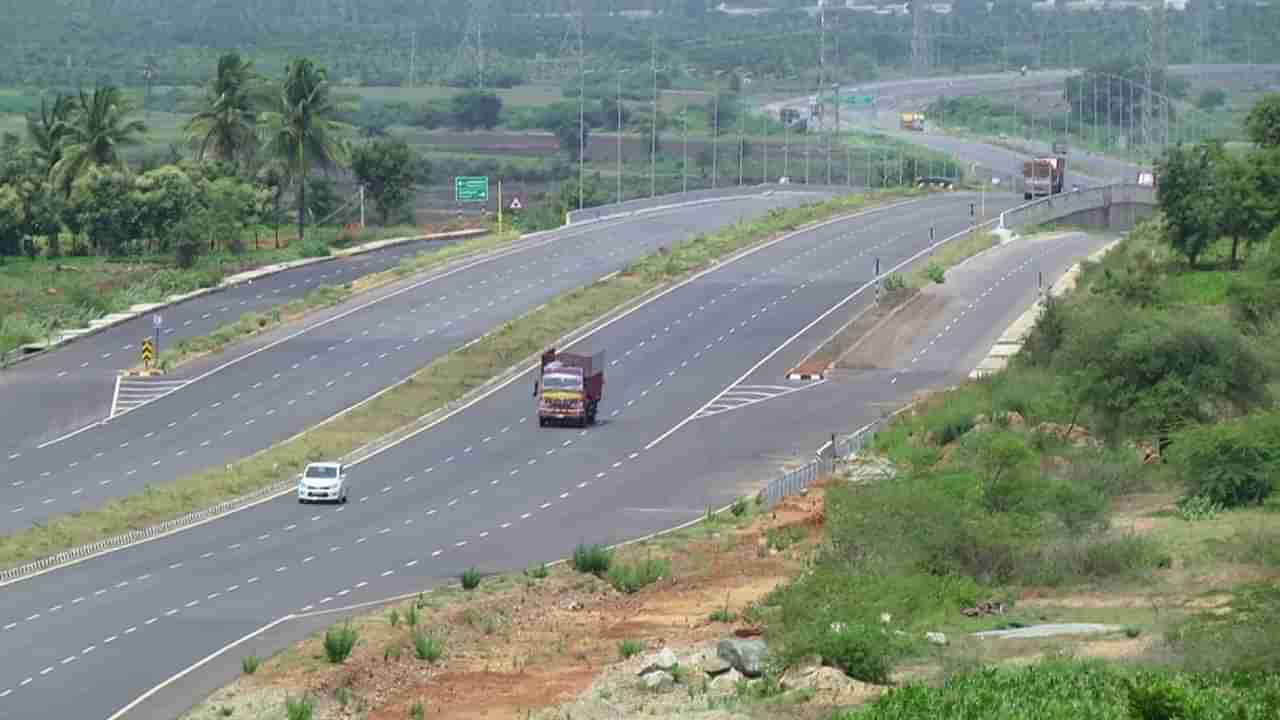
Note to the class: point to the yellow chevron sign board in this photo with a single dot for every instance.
(148, 352)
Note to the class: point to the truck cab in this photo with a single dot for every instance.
(569, 388)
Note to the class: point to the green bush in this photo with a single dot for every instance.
(427, 647)
(936, 273)
(631, 577)
(594, 559)
(1078, 691)
(313, 247)
(249, 664)
(470, 579)
(894, 281)
(627, 648)
(1231, 463)
(339, 641)
(299, 709)
(1195, 508)
(537, 572)
(411, 616)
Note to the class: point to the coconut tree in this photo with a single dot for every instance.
(46, 130)
(98, 127)
(224, 126)
(298, 131)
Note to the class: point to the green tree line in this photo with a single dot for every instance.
(254, 142)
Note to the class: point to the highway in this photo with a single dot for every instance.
(485, 488)
(71, 386)
(269, 389)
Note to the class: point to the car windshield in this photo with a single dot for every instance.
(322, 472)
(562, 382)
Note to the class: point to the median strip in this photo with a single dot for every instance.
(255, 323)
(442, 382)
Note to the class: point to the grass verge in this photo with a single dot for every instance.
(256, 323)
(953, 253)
(444, 380)
(41, 297)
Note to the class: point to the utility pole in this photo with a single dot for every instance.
(653, 147)
(618, 103)
(361, 205)
(920, 40)
(764, 148)
(582, 92)
(715, 136)
(684, 162)
(742, 142)
(413, 61)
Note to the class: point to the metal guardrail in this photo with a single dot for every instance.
(841, 448)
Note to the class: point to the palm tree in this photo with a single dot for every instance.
(298, 131)
(224, 128)
(98, 128)
(47, 130)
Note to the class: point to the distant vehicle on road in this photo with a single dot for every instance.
(569, 388)
(912, 121)
(323, 482)
(941, 182)
(1146, 178)
(1043, 176)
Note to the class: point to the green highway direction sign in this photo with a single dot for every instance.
(471, 189)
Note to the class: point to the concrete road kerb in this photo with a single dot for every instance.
(195, 519)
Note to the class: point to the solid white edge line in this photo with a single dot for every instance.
(809, 327)
(196, 666)
(483, 396)
(543, 238)
(745, 253)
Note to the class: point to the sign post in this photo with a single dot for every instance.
(156, 322)
(471, 188)
(148, 353)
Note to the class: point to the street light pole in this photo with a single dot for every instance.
(653, 146)
(619, 131)
(764, 149)
(715, 136)
(742, 139)
(582, 91)
(684, 162)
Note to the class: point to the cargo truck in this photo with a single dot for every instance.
(569, 388)
(912, 121)
(1043, 176)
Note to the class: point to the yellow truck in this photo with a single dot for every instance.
(913, 121)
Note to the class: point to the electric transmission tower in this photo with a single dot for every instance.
(1155, 57)
(919, 39)
(471, 55)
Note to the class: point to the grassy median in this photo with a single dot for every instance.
(444, 380)
(256, 323)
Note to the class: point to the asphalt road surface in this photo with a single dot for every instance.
(71, 386)
(486, 488)
(290, 380)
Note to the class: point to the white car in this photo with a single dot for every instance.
(323, 482)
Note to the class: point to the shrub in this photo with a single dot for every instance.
(391, 652)
(299, 709)
(631, 577)
(393, 617)
(537, 572)
(427, 647)
(627, 648)
(339, 641)
(1091, 558)
(1078, 691)
(861, 651)
(1195, 508)
(313, 247)
(723, 615)
(594, 559)
(1230, 463)
(410, 616)
(249, 664)
(894, 281)
(417, 712)
(470, 579)
(936, 273)
(739, 507)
